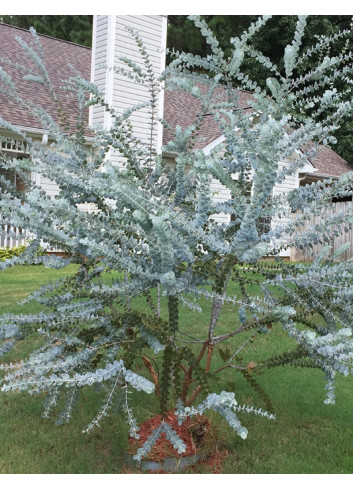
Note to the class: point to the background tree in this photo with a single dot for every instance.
(73, 28)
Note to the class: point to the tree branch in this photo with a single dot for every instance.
(153, 373)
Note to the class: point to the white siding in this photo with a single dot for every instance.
(112, 40)
(220, 193)
(288, 184)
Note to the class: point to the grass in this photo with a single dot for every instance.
(307, 436)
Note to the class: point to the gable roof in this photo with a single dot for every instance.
(180, 107)
(329, 163)
(58, 55)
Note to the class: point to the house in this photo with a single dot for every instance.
(59, 55)
(110, 40)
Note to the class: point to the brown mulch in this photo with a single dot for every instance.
(197, 434)
(194, 432)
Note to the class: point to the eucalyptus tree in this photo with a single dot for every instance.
(153, 227)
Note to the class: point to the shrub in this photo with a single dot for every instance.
(7, 253)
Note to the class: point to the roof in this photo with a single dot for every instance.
(180, 107)
(329, 163)
(58, 55)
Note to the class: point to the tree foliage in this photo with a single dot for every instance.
(73, 28)
(152, 227)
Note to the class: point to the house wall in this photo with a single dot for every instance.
(49, 186)
(220, 193)
(290, 183)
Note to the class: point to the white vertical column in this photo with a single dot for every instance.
(112, 40)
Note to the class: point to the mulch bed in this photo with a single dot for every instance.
(197, 434)
(194, 433)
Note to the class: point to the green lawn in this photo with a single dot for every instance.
(307, 436)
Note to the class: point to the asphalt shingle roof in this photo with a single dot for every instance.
(58, 55)
(329, 163)
(180, 107)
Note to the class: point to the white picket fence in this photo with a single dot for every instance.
(11, 237)
(336, 241)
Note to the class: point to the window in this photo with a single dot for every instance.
(263, 225)
(14, 178)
